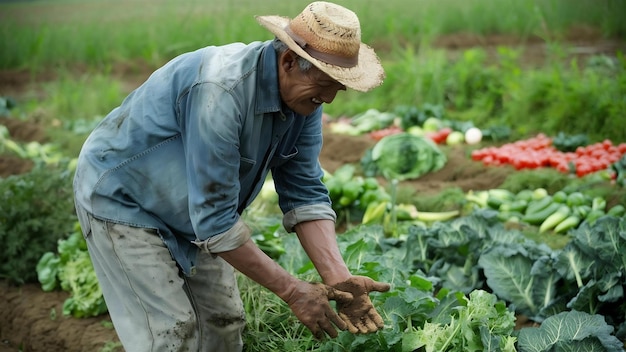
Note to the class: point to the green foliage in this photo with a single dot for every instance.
(70, 269)
(403, 156)
(414, 315)
(570, 331)
(36, 210)
(473, 85)
(479, 323)
(101, 34)
(69, 108)
(549, 178)
(573, 99)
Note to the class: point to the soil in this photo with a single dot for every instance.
(32, 320)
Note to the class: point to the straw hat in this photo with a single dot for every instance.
(329, 36)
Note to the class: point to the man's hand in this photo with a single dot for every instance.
(309, 302)
(359, 313)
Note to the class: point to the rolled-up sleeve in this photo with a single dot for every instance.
(308, 213)
(302, 194)
(229, 240)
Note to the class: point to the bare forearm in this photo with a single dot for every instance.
(255, 264)
(319, 241)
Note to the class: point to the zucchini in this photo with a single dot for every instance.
(576, 198)
(581, 211)
(524, 194)
(436, 216)
(535, 206)
(560, 197)
(539, 193)
(569, 223)
(518, 206)
(495, 203)
(496, 197)
(555, 218)
(598, 203)
(539, 217)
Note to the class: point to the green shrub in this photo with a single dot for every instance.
(36, 210)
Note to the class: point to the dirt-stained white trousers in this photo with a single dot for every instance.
(152, 305)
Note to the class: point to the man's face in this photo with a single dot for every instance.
(303, 92)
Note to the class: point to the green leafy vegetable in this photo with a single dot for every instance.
(568, 143)
(36, 210)
(72, 271)
(570, 331)
(619, 168)
(479, 323)
(404, 156)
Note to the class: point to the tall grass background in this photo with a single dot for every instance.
(41, 33)
(97, 36)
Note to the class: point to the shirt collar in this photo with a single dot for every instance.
(268, 99)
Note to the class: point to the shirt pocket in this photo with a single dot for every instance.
(281, 157)
(246, 165)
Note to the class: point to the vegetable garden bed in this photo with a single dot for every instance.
(34, 318)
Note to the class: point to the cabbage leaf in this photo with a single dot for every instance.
(570, 331)
(404, 156)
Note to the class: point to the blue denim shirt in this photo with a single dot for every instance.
(189, 150)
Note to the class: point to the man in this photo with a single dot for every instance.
(162, 181)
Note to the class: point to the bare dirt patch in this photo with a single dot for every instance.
(32, 320)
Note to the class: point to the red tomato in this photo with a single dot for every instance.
(597, 153)
(504, 157)
(562, 167)
(379, 134)
(582, 169)
(488, 160)
(477, 154)
(445, 132)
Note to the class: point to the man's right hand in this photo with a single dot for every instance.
(310, 303)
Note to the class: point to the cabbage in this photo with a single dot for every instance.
(405, 156)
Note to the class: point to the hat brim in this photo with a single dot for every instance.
(366, 75)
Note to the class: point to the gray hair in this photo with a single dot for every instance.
(281, 47)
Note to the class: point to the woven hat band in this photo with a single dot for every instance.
(341, 61)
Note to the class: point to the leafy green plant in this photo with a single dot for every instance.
(411, 303)
(403, 156)
(570, 331)
(70, 269)
(36, 210)
(479, 323)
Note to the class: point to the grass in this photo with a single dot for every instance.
(485, 88)
(37, 34)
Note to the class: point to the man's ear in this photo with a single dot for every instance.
(288, 60)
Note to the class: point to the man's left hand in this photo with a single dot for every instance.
(359, 313)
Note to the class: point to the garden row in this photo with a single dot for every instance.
(460, 276)
(570, 154)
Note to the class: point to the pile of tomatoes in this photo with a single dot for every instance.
(538, 152)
